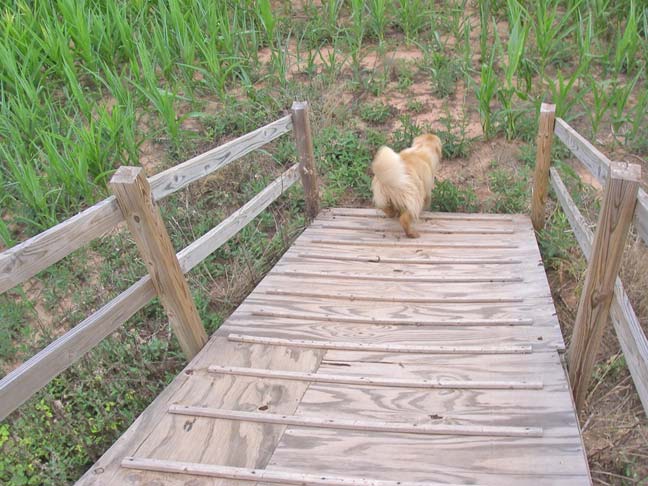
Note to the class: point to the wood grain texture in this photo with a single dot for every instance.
(179, 176)
(425, 215)
(388, 348)
(364, 425)
(307, 169)
(614, 221)
(543, 162)
(324, 275)
(632, 338)
(26, 259)
(253, 475)
(598, 164)
(133, 193)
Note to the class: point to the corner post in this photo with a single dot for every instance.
(307, 170)
(593, 312)
(133, 193)
(543, 162)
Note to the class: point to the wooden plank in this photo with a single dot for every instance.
(158, 434)
(181, 175)
(632, 338)
(26, 259)
(419, 261)
(265, 475)
(20, 384)
(598, 164)
(396, 322)
(425, 215)
(383, 298)
(394, 278)
(204, 246)
(403, 244)
(307, 169)
(495, 461)
(543, 162)
(607, 250)
(357, 425)
(370, 381)
(130, 186)
(390, 348)
(424, 230)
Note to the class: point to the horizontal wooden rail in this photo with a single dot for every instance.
(439, 383)
(259, 476)
(20, 384)
(599, 165)
(634, 343)
(357, 425)
(26, 259)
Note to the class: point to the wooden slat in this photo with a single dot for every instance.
(31, 376)
(426, 230)
(632, 338)
(388, 348)
(413, 261)
(598, 164)
(26, 259)
(265, 475)
(372, 381)
(394, 278)
(397, 322)
(425, 216)
(357, 425)
(404, 244)
(182, 175)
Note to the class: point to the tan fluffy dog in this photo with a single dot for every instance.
(403, 182)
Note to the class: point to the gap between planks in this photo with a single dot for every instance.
(395, 322)
(260, 475)
(419, 229)
(394, 278)
(357, 425)
(378, 298)
(440, 383)
(413, 261)
(382, 348)
(485, 217)
(402, 244)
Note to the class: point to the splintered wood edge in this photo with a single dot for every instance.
(387, 348)
(357, 425)
(262, 475)
(371, 381)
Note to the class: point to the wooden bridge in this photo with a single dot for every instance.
(362, 358)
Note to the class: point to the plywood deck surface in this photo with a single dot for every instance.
(365, 358)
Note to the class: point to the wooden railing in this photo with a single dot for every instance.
(602, 296)
(134, 202)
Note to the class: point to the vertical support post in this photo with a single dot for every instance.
(543, 162)
(304, 142)
(593, 313)
(130, 186)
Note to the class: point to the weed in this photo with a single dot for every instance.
(447, 197)
(376, 113)
(510, 193)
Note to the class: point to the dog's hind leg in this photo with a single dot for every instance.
(390, 211)
(406, 221)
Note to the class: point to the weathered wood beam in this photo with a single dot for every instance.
(543, 162)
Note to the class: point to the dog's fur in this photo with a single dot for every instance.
(403, 182)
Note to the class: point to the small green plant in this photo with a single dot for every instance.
(376, 112)
(402, 137)
(510, 193)
(447, 197)
(411, 17)
(453, 135)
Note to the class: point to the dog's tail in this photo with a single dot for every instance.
(392, 185)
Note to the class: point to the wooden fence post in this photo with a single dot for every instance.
(304, 142)
(130, 186)
(543, 162)
(593, 313)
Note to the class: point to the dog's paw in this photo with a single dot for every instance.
(413, 234)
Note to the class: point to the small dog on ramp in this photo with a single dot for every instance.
(402, 183)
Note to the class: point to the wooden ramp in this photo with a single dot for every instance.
(364, 358)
